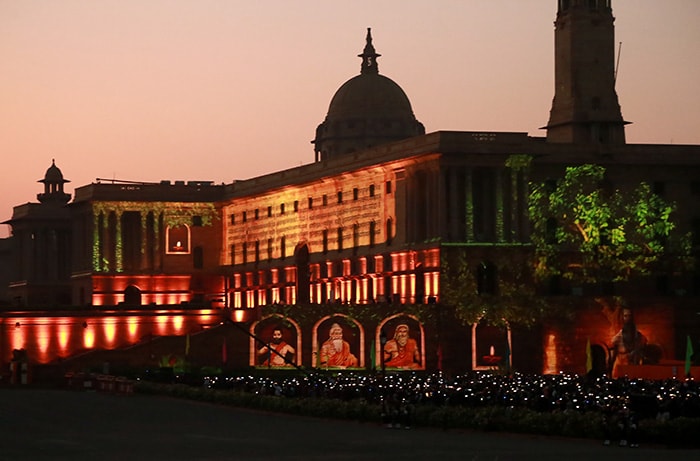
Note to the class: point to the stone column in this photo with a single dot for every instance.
(500, 212)
(469, 205)
(143, 263)
(453, 197)
(96, 242)
(118, 254)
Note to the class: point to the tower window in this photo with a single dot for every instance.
(371, 190)
(388, 187)
(245, 216)
(232, 218)
(340, 196)
(355, 193)
(311, 203)
(269, 212)
(257, 214)
(340, 239)
(296, 205)
(281, 208)
(325, 200)
(324, 239)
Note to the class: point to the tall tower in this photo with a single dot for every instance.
(585, 108)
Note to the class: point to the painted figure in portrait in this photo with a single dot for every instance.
(277, 352)
(402, 351)
(627, 345)
(335, 352)
(400, 345)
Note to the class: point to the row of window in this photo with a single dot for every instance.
(310, 203)
(256, 254)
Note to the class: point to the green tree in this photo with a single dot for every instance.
(503, 297)
(587, 232)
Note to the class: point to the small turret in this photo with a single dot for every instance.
(53, 186)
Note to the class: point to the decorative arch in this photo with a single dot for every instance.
(386, 332)
(132, 295)
(177, 239)
(356, 342)
(263, 329)
(489, 349)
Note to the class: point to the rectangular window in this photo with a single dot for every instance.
(325, 200)
(372, 231)
(325, 241)
(283, 247)
(245, 216)
(388, 187)
(197, 221)
(257, 214)
(232, 253)
(340, 196)
(269, 249)
(311, 203)
(281, 208)
(340, 239)
(296, 205)
(355, 193)
(371, 190)
(257, 250)
(232, 218)
(244, 253)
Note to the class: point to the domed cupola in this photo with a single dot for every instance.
(53, 186)
(367, 110)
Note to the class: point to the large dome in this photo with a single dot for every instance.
(367, 110)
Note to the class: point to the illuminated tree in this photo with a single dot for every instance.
(499, 292)
(586, 232)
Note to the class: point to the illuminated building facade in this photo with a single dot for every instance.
(370, 221)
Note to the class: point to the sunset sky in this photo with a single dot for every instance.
(218, 90)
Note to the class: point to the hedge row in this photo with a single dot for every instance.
(676, 432)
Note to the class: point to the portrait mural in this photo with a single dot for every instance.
(401, 343)
(280, 345)
(628, 345)
(338, 343)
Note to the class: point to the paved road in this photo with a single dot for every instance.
(56, 424)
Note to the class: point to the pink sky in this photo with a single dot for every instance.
(223, 89)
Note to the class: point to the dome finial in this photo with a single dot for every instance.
(369, 56)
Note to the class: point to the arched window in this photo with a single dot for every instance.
(178, 239)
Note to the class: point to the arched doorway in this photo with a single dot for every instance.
(132, 296)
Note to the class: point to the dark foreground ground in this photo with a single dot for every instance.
(58, 424)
